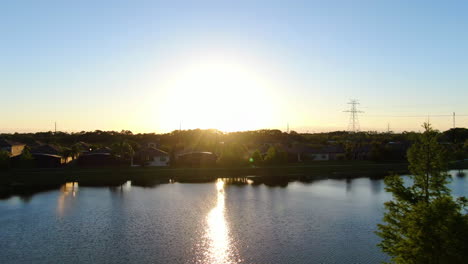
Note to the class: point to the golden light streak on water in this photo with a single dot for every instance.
(220, 248)
(68, 190)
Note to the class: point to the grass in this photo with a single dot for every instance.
(118, 175)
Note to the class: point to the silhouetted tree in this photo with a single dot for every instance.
(256, 158)
(4, 159)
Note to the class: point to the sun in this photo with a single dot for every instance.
(222, 94)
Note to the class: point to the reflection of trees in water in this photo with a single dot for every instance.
(26, 192)
(349, 185)
(237, 181)
(376, 185)
(273, 181)
(148, 182)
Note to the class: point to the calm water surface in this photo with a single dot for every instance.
(326, 221)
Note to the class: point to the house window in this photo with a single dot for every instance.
(163, 158)
(323, 156)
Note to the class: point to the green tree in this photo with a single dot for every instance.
(256, 158)
(423, 223)
(275, 156)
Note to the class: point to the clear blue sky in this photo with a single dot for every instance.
(103, 64)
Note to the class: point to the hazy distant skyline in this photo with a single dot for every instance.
(147, 66)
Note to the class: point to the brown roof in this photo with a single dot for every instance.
(46, 149)
(9, 143)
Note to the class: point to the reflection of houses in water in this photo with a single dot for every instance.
(148, 181)
(272, 181)
(68, 192)
(237, 181)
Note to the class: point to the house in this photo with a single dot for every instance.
(13, 148)
(97, 158)
(322, 153)
(151, 156)
(197, 159)
(49, 156)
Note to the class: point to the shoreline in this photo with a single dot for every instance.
(29, 181)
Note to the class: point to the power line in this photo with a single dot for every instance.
(353, 125)
(425, 116)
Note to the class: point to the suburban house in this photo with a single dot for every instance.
(197, 159)
(333, 152)
(151, 156)
(301, 152)
(48, 156)
(97, 158)
(13, 148)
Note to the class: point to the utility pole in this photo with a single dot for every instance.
(287, 129)
(388, 128)
(55, 130)
(353, 125)
(454, 120)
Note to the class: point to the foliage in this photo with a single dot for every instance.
(423, 224)
(275, 156)
(123, 150)
(25, 160)
(4, 159)
(256, 158)
(232, 155)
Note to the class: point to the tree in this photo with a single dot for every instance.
(26, 160)
(256, 158)
(423, 223)
(124, 151)
(275, 156)
(232, 155)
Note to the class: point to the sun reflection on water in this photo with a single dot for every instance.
(220, 248)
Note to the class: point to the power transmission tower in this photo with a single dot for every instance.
(353, 118)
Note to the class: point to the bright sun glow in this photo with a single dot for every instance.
(218, 94)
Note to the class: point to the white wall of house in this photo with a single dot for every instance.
(159, 161)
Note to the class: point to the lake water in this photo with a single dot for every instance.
(230, 221)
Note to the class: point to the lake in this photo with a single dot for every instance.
(227, 221)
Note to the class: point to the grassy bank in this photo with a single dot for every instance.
(330, 169)
(43, 178)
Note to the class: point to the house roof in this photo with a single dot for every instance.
(46, 149)
(46, 155)
(104, 150)
(152, 151)
(9, 143)
(196, 153)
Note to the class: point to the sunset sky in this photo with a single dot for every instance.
(149, 66)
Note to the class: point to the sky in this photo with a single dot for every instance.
(156, 66)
